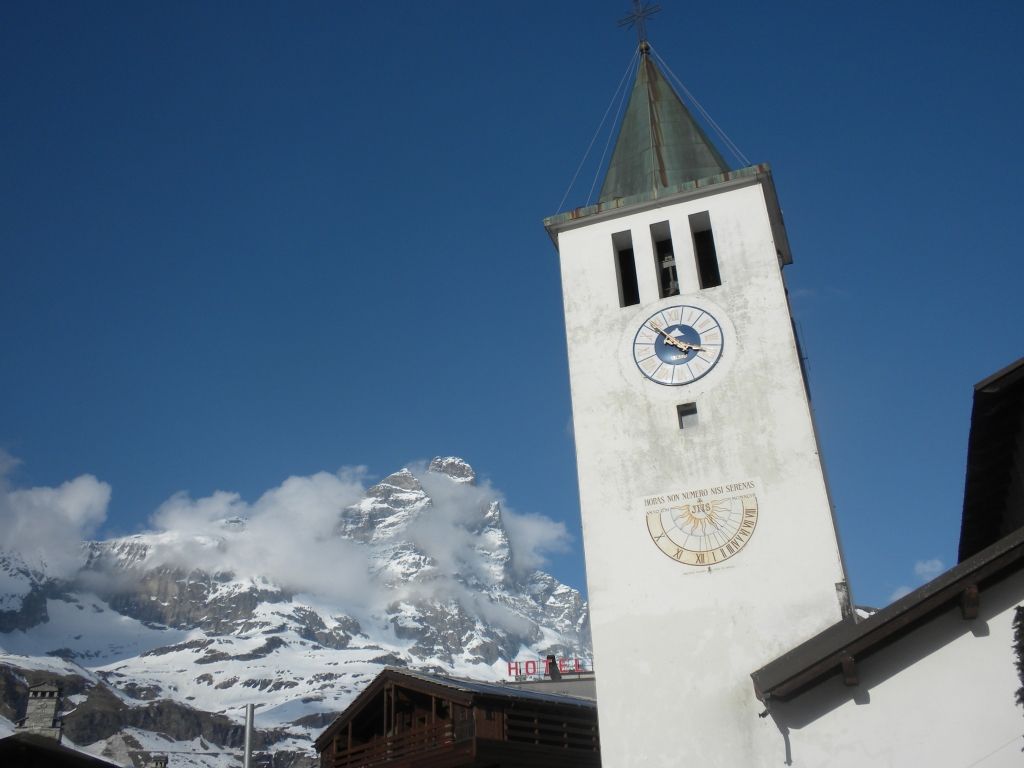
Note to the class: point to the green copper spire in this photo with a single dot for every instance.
(659, 144)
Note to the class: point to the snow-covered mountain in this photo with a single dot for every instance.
(162, 638)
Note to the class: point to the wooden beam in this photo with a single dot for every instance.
(849, 667)
(970, 601)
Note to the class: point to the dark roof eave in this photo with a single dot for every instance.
(1001, 379)
(997, 419)
(822, 655)
(495, 690)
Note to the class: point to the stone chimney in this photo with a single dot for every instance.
(42, 714)
(551, 667)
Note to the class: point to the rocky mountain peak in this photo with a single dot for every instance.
(401, 481)
(162, 633)
(454, 467)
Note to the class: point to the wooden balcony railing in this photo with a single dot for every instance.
(546, 729)
(394, 748)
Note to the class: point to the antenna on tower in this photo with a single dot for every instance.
(638, 18)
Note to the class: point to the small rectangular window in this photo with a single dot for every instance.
(704, 249)
(665, 260)
(625, 269)
(686, 413)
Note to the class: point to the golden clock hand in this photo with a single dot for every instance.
(683, 345)
(668, 339)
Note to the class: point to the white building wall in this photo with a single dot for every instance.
(675, 644)
(942, 697)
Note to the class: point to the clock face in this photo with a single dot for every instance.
(678, 345)
(704, 532)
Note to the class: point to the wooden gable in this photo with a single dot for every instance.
(404, 719)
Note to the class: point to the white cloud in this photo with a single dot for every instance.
(286, 536)
(45, 526)
(469, 532)
(900, 592)
(196, 516)
(926, 570)
(7, 463)
(451, 531)
(534, 538)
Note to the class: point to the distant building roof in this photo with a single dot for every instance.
(29, 749)
(584, 685)
(499, 690)
(45, 687)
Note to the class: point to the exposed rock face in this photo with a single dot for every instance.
(453, 467)
(161, 653)
(24, 604)
(180, 599)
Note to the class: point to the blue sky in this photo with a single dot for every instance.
(242, 241)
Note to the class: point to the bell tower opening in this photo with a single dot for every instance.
(665, 260)
(704, 250)
(625, 269)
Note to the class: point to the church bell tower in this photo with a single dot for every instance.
(708, 529)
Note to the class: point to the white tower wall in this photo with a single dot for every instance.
(675, 644)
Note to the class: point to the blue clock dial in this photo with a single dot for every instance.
(678, 345)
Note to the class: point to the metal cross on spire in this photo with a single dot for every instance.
(638, 18)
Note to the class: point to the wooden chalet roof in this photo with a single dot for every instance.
(457, 690)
